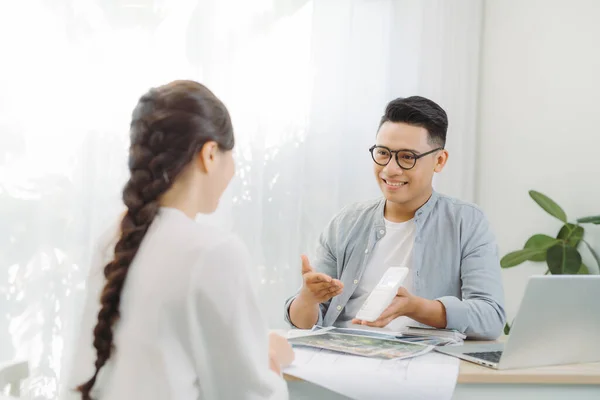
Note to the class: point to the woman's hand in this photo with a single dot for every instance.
(281, 353)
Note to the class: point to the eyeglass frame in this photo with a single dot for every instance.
(394, 154)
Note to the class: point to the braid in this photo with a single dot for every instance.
(140, 195)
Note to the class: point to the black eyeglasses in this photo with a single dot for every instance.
(406, 159)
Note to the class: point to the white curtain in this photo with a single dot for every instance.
(306, 83)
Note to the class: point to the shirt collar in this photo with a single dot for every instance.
(420, 215)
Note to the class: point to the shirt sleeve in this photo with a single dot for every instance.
(324, 262)
(229, 334)
(480, 314)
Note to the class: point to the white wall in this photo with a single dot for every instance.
(539, 121)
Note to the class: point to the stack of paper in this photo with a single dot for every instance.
(371, 365)
(419, 335)
(433, 332)
(436, 337)
(430, 376)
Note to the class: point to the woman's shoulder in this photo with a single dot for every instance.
(209, 239)
(219, 254)
(222, 247)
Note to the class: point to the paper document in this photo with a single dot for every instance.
(360, 345)
(294, 333)
(429, 337)
(431, 376)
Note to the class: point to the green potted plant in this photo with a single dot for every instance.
(560, 253)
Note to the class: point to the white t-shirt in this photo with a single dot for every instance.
(190, 325)
(392, 250)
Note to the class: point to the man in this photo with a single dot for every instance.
(454, 280)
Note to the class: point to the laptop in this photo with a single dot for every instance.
(557, 323)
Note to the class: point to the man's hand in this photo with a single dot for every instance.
(403, 304)
(428, 312)
(317, 287)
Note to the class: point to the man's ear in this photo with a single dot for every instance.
(206, 157)
(441, 160)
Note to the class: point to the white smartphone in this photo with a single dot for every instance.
(383, 294)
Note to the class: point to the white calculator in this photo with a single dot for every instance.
(383, 294)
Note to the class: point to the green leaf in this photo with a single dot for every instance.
(506, 329)
(596, 256)
(548, 205)
(583, 270)
(590, 220)
(563, 259)
(517, 257)
(572, 234)
(541, 242)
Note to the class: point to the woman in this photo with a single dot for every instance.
(177, 317)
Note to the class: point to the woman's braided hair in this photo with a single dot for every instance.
(169, 126)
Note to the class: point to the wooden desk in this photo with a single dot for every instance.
(475, 382)
(577, 374)
(470, 373)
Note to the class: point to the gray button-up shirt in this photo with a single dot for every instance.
(455, 261)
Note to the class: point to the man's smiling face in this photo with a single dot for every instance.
(402, 186)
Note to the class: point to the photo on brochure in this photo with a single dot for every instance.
(362, 345)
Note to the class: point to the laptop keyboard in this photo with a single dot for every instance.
(492, 356)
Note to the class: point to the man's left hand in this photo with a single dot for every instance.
(403, 304)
